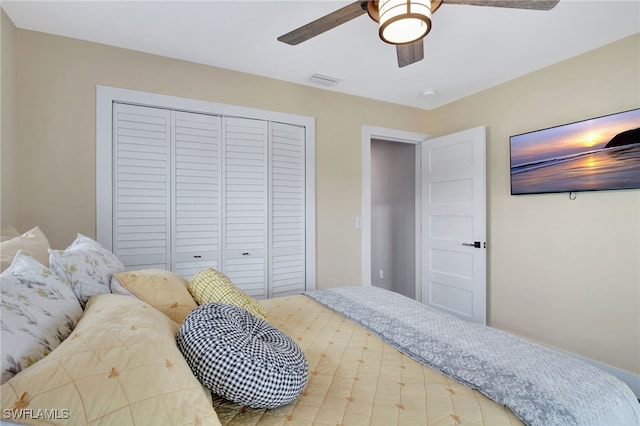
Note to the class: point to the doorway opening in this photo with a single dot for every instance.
(393, 218)
(450, 219)
(391, 210)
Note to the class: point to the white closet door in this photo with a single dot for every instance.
(245, 204)
(287, 220)
(196, 171)
(141, 193)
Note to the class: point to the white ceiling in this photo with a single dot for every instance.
(469, 49)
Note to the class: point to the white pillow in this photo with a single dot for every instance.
(87, 266)
(39, 310)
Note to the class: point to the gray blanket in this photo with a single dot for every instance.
(539, 385)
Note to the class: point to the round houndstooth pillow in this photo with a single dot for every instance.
(241, 357)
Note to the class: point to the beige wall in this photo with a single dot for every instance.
(8, 192)
(562, 272)
(56, 83)
(566, 273)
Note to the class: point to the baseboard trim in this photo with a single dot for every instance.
(632, 380)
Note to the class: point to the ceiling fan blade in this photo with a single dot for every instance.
(410, 53)
(512, 4)
(320, 25)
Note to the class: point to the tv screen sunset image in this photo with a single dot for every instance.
(597, 154)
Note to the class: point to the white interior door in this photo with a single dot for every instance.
(454, 224)
(141, 188)
(245, 204)
(287, 239)
(196, 192)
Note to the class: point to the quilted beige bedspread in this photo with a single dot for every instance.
(357, 379)
(120, 366)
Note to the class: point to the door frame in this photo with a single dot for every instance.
(391, 135)
(107, 95)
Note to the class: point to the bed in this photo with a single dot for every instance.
(377, 357)
(373, 357)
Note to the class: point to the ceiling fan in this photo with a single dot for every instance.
(403, 23)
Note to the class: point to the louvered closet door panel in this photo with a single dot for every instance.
(141, 186)
(245, 204)
(287, 221)
(196, 192)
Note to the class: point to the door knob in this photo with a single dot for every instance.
(475, 244)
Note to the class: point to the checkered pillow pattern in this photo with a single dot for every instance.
(242, 357)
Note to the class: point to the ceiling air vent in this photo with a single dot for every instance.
(324, 80)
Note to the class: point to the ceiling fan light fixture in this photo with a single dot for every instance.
(404, 21)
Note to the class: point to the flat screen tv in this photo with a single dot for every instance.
(601, 153)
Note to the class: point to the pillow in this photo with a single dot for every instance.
(87, 266)
(120, 366)
(210, 285)
(39, 310)
(8, 232)
(116, 287)
(241, 357)
(164, 290)
(33, 242)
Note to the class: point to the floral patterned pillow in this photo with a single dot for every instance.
(39, 310)
(87, 266)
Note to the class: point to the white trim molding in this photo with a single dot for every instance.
(631, 380)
